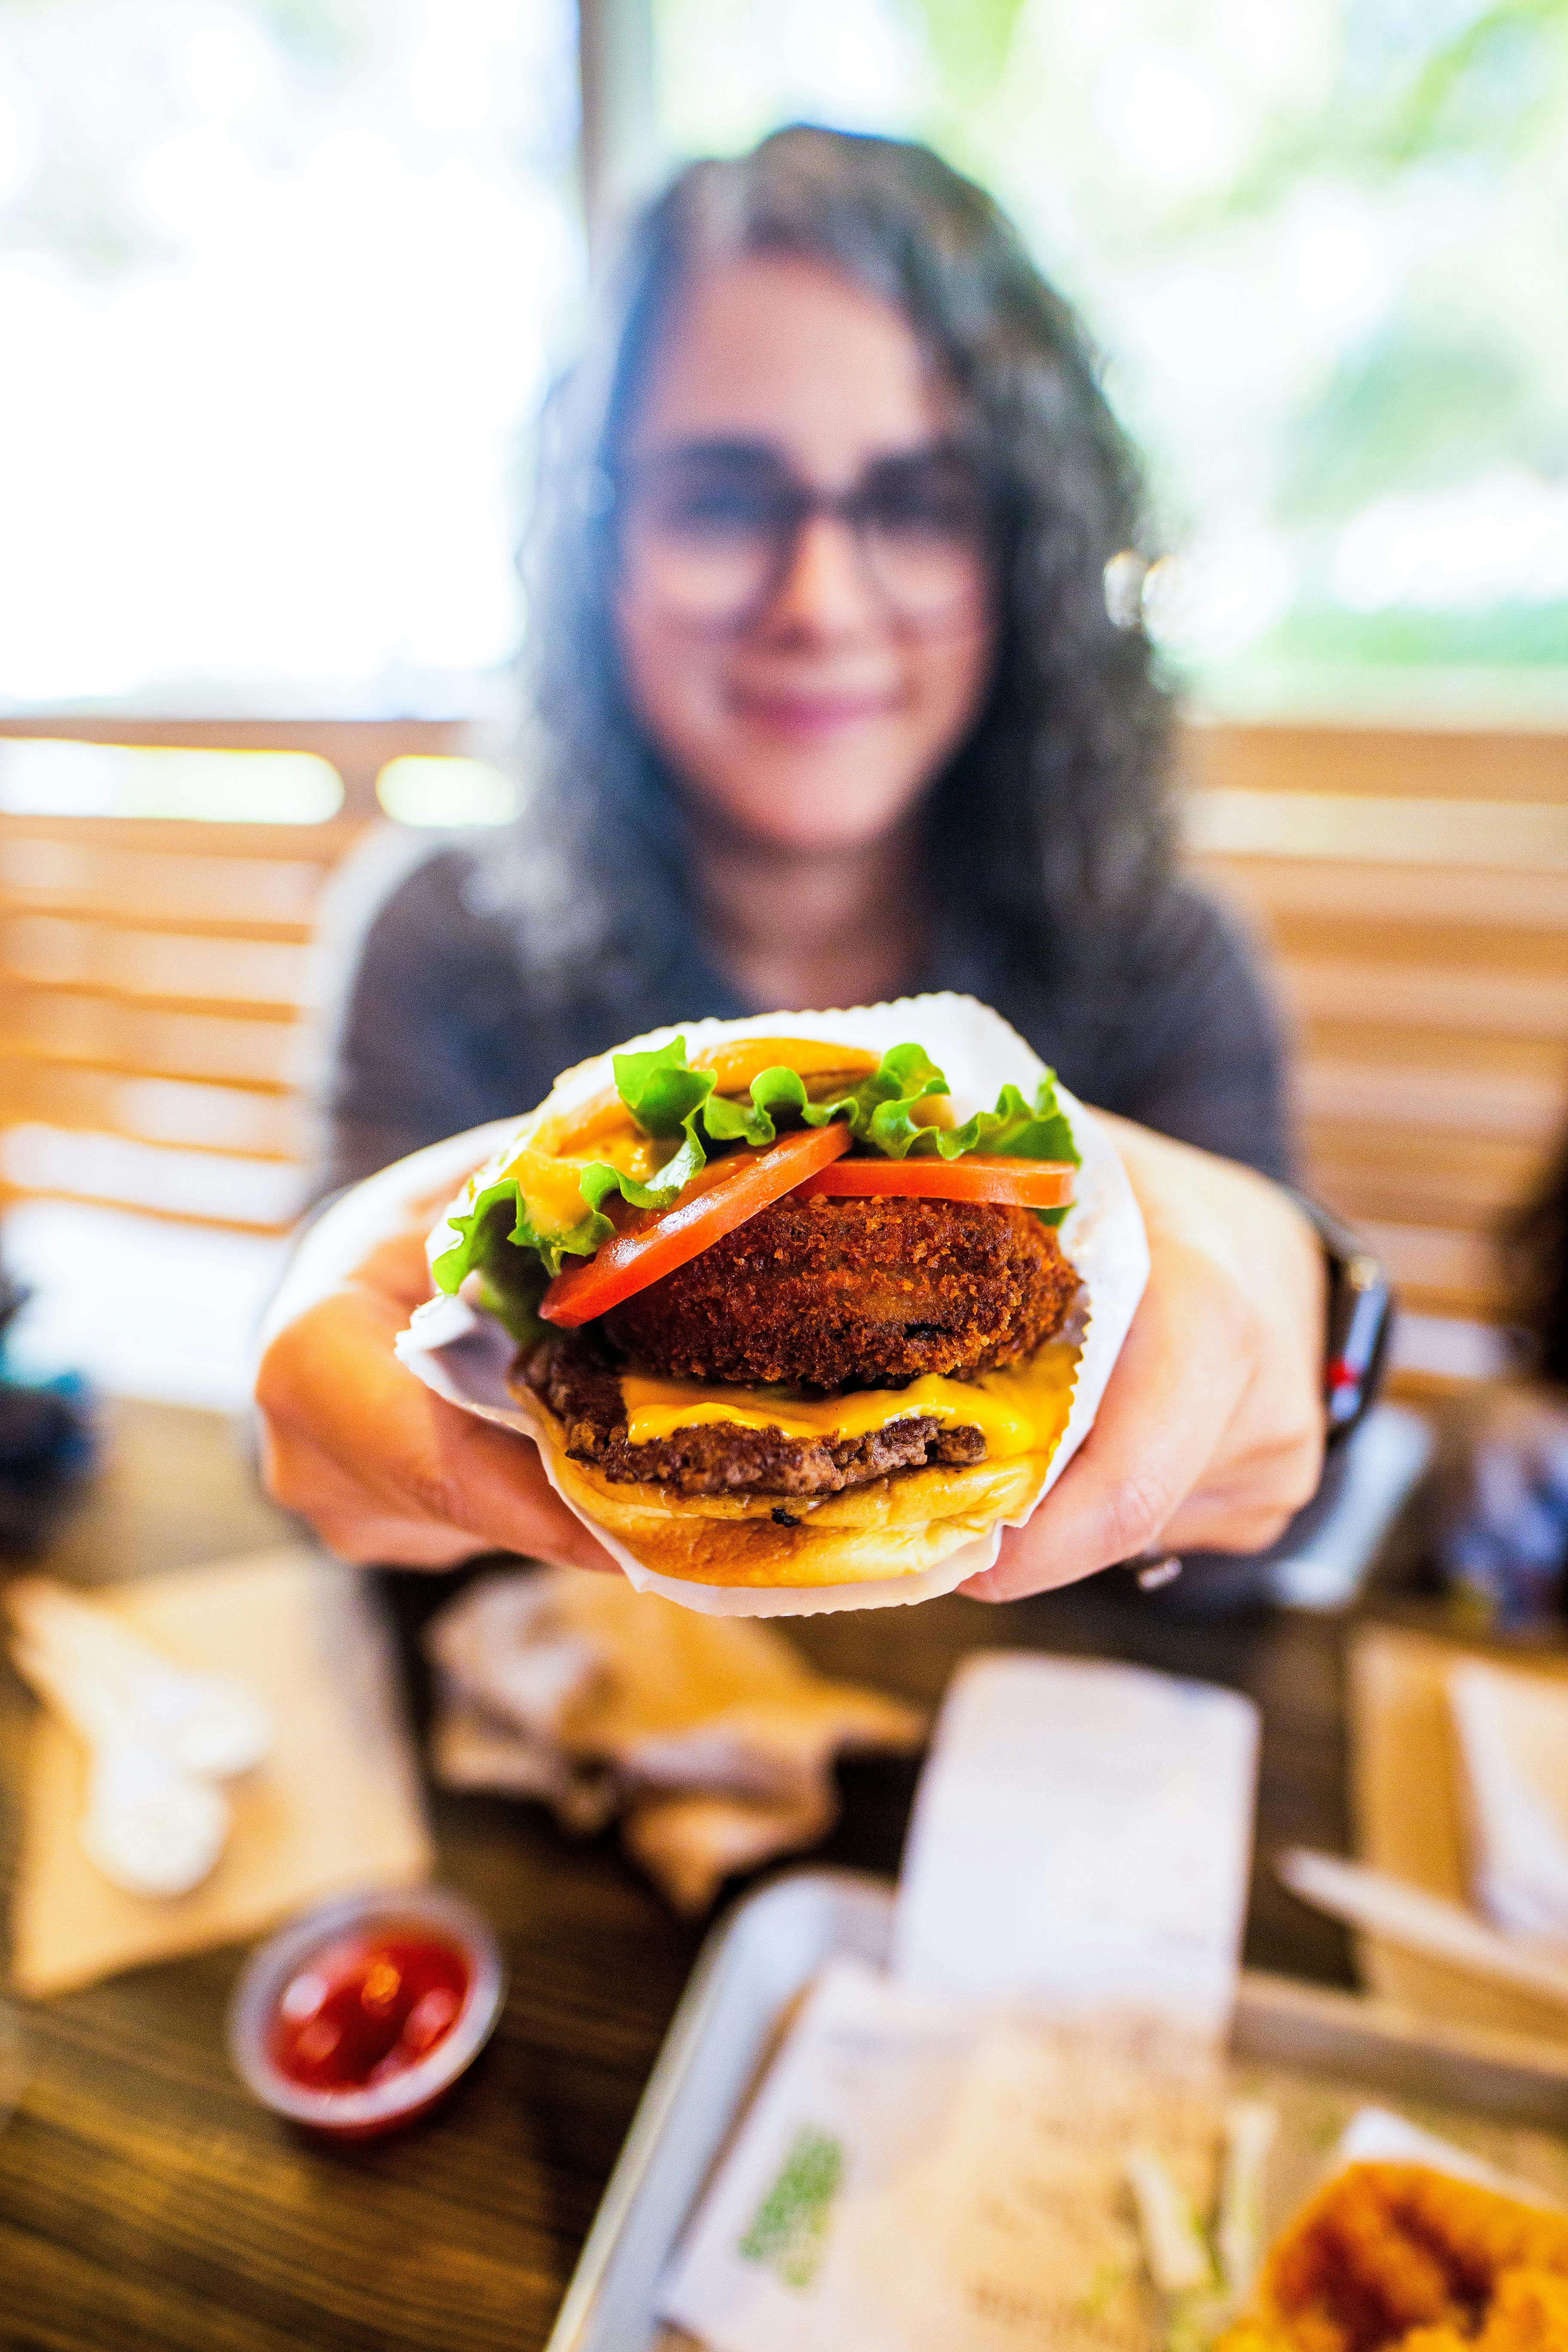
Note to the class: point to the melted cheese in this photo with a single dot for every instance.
(553, 1187)
(1023, 1410)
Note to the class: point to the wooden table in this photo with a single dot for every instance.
(146, 2202)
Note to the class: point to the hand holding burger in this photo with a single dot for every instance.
(1210, 1434)
(1211, 1423)
(788, 1314)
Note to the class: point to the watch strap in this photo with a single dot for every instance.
(1360, 1321)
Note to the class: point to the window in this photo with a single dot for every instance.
(281, 281)
(1322, 246)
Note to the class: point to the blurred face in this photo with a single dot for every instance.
(804, 607)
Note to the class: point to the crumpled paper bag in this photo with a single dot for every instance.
(710, 1737)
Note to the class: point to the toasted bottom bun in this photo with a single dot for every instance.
(895, 1525)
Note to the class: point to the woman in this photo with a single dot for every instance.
(834, 710)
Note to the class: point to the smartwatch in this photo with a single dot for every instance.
(1360, 1321)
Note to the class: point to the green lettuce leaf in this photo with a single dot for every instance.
(667, 1099)
(773, 1093)
(659, 1089)
(877, 1112)
(880, 1110)
(1016, 1128)
(501, 1214)
(512, 1284)
(664, 1098)
(1020, 1129)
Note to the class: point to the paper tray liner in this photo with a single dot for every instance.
(1317, 2052)
(335, 1806)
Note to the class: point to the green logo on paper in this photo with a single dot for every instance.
(790, 2231)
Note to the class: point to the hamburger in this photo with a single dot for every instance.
(783, 1316)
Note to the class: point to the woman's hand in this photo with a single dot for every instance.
(1210, 1433)
(383, 1469)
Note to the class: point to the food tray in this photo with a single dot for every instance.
(1317, 2052)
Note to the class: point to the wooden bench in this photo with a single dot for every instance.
(1412, 892)
(1410, 888)
(157, 979)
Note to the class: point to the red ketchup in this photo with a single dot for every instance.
(367, 2008)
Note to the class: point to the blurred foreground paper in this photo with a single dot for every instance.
(335, 1806)
(1410, 1809)
(1081, 1837)
(1511, 1730)
(939, 2156)
(921, 2174)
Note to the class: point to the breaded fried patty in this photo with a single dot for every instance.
(829, 1293)
(583, 1390)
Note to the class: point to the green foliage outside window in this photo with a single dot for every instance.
(1324, 248)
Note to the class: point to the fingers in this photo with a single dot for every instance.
(1103, 1512)
(492, 1484)
(303, 1478)
(470, 1488)
(1210, 1430)
(397, 1270)
(385, 1470)
(1174, 1390)
(489, 1485)
(1249, 1506)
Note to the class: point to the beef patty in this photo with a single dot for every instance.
(833, 1293)
(582, 1387)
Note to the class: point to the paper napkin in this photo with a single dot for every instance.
(1082, 1836)
(917, 2174)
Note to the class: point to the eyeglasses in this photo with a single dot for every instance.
(707, 533)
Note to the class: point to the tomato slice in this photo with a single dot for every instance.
(654, 1242)
(977, 1176)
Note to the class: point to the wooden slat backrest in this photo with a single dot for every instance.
(1413, 762)
(156, 977)
(1412, 889)
(154, 981)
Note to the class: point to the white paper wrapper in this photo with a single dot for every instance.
(465, 1356)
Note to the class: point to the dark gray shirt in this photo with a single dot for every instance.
(443, 1026)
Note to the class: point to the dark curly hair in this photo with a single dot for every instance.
(1535, 1256)
(1052, 818)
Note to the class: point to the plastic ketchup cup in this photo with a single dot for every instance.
(358, 2017)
